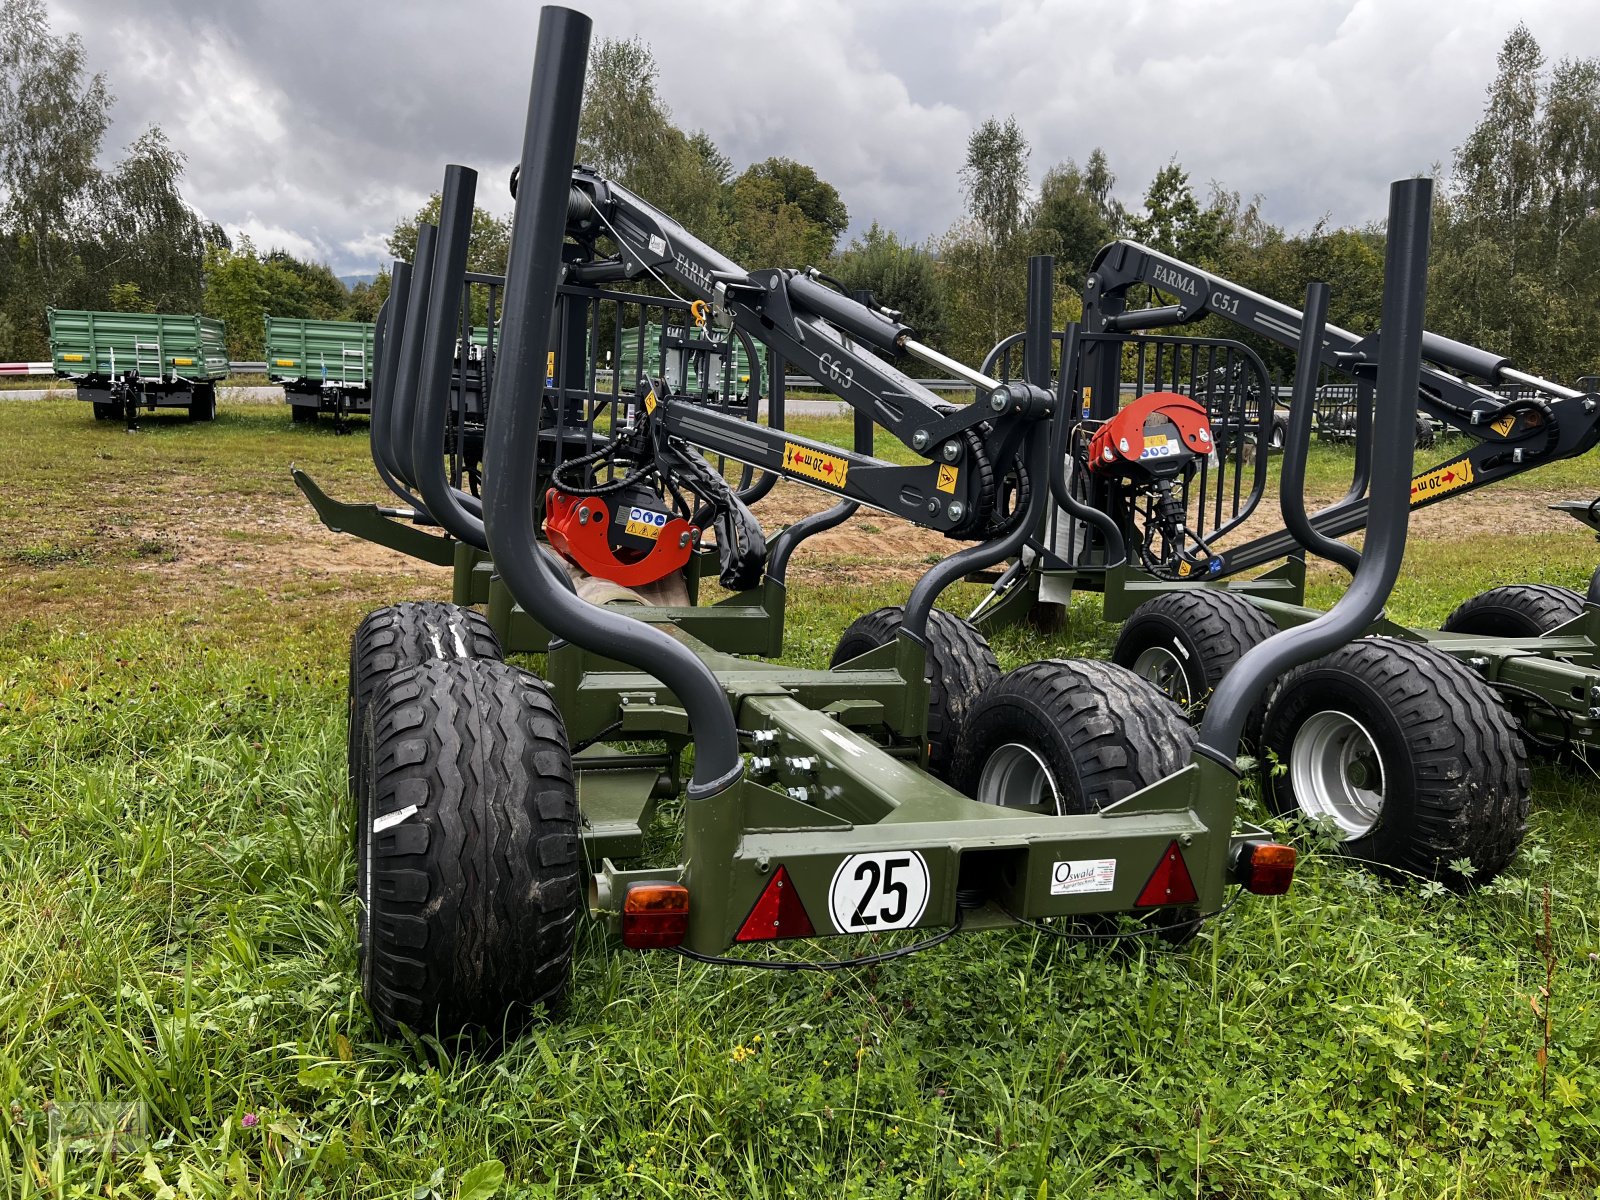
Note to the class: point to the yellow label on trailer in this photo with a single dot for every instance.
(183, 362)
(826, 468)
(72, 358)
(947, 478)
(1088, 399)
(283, 362)
(650, 400)
(1435, 483)
(550, 369)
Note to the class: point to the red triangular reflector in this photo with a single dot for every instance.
(1170, 882)
(778, 913)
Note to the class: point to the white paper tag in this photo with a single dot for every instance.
(1083, 875)
(390, 820)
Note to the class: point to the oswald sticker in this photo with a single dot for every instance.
(1435, 483)
(826, 468)
(946, 482)
(1083, 875)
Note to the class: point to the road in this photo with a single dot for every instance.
(274, 395)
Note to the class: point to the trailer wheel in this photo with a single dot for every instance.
(400, 636)
(1426, 433)
(107, 411)
(1185, 642)
(1069, 736)
(1408, 755)
(960, 665)
(390, 640)
(1517, 610)
(470, 897)
(203, 404)
(1280, 433)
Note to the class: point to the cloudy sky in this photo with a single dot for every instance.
(314, 124)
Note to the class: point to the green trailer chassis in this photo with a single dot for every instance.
(836, 774)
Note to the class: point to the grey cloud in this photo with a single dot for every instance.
(317, 123)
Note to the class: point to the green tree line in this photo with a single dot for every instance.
(1514, 266)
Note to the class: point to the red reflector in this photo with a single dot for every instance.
(655, 915)
(1169, 882)
(778, 913)
(1270, 870)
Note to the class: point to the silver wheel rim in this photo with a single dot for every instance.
(1016, 777)
(1165, 669)
(1337, 773)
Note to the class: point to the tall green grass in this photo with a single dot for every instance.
(177, 937)
(177, 930)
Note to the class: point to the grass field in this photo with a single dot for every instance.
(177, 927)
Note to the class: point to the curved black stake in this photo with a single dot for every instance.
(1297, 438)
(391, 320)
(431, 408)
(511, 441)
(1065, 421)
(408, 359)
(1405, 289)
(787, 540)
(975, 558)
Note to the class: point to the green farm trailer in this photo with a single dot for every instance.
(324, 366)
(122, 362)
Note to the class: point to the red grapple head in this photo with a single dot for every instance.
(1155, 437)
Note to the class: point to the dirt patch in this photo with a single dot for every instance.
(274, 543)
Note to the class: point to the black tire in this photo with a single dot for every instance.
(1426, 434)
(960, 665)
(203, 404)
(302, 414)
(1451, 769)
(388, 641)
(470, 900)
(1517, 610)
(1085, 735)
(1103, 732)
(1185, 643)
(400, 636)
(1279, 435)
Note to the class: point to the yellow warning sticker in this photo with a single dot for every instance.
(1088, 399)
(1435, 483)
(1185, 569)
(72, 358)
(642, 522)
(815, 464)
(946, 482)
(1503, 425)
(550, 369)
(650, 400)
